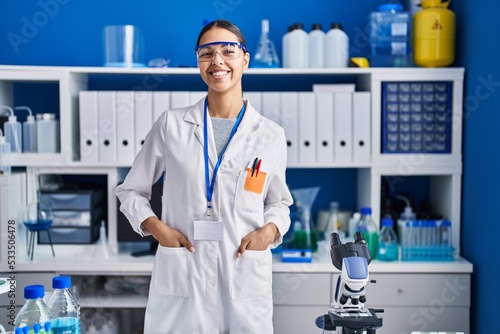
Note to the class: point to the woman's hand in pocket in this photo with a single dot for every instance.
(259, 239)
(166, 235)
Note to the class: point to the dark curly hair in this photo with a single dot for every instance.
(224, 25)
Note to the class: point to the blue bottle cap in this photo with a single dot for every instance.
(61, 282)
(366, 210)
(432, 223)
(34, 291)
(18, 331)
(47, 326)
(416, 223)
(387, 222)
(446, 223)
(36, 328)
(390, 7)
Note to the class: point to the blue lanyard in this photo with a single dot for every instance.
(210, 185)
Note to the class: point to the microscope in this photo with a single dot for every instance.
(347, 314)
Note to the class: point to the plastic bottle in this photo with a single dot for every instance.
(34, 311)
(5, 166)
(316, 46)
(298, 48)
(266, 55)
(406, 215)
(388, 242)
(64, 307)
(12, 129)
(47, 130)
(389, 36)
(285, 42)
(368, 228)
(333, 220)
(336, 47)
(29, 131)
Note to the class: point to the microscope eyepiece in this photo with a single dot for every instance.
(334, 239)
(358, 238)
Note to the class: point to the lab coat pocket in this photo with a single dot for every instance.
(252, 275)
(171, 274)
(249, 191)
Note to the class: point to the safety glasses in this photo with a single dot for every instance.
(227, 50)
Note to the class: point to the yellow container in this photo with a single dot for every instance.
(434, 34)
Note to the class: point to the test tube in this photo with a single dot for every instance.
(445, 233)
(416, 238)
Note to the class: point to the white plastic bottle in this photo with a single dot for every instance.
(64, 307)
(336, 47)
(34, 311)
(29, 131)
(316, 46)
(298, 48)
(285, 41)
(47, 130)
(12, 129)
(5, 166)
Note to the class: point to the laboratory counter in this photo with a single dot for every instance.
(88, 260)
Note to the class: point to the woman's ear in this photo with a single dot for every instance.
(246, 60)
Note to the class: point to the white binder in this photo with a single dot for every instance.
(290, 123)
(107, 125)
(89, 127)
(255, 99)
(125, 128)
(196, 96)
(179, 99)
(361, 118)
(161, 103)
(143, 117)
(343, 127)
(324, 135)
(271, 106)
(307, 128)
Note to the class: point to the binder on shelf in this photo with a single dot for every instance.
(324, 135)
(125, 127)
(255, 99)
(271, 106)
(361, 125)
(342, 128)
(179, 99)
(196, 96)
(89, 127)
(161, 103)
(107, 126)
(290, 123)
(143, 117)
(307, 127)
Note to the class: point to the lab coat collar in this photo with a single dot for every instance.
(250, 123)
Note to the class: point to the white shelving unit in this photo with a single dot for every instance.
(443, 170)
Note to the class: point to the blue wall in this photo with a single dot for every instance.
(69, 32)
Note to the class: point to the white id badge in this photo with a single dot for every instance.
(208, 228)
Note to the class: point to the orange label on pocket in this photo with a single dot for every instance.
(256, 182)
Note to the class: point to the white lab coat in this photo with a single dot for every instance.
(210, 290)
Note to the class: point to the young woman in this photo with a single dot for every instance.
(225, 201)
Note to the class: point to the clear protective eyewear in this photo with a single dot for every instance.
(227, 50)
